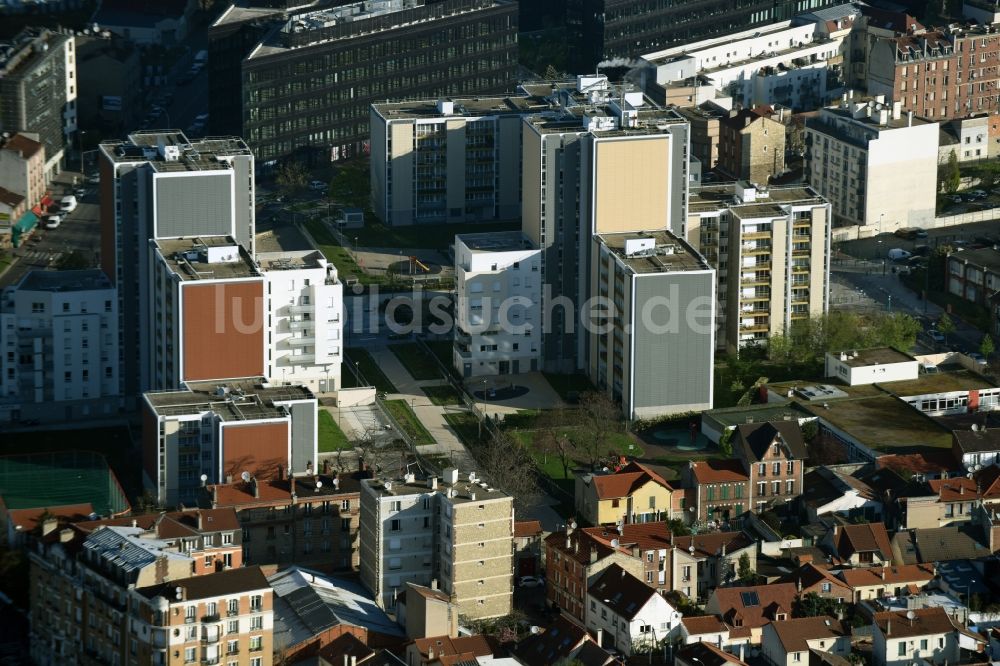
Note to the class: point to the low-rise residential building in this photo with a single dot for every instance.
(704, 653)
(633, 616)
(812, 579)
(938, 503)
(751, 145)
(632, 349)
(771, 249)
(562, 641)
(936, 545)
(426, 611)
(871, 366)
(653, 544)
(747, 609)
(635, 493)
(444, 649)
(863, 545)
(61, 359)
(498, 323)
(721, 489)
(889, 581)
(703, 562)
(23, 183)
(976, 449)
(309, 520)
(902, 637)
(705, 629)
(974, 275)
(573, 561)
(788, 643)
(877, 167)
(968, 138)
(527, 547)
(828, 491)
(774, 455)
(459, 533)
(218, 432)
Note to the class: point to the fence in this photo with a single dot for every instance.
(858, 232)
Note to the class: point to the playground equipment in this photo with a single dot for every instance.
(415, 264)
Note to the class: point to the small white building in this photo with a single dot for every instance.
(630, 615)
(871, 366)
(305, 302)
(59, 359)
(914, 636)
(498, 321)
(788, 643)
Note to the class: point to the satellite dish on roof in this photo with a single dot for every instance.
(535, 629)
(573, 525)
(245, 476)
(614, 543)
(910, 615)
(178, 593)
(319, 484)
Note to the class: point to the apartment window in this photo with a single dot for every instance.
(791, 467)
(649, 576)
(395, 505)
(257, 622)
(789, 487)
(762, 469)
(256, 602)
(256, 661)
(189, 613)
(649, 556)
(776, 469)
(776, 487)
(901, 649)
(256, 643)
(233, 607)
(233, 627)
(395, 525)
(345, 505)
(923, 643)
(761, 489)
(345, 524)
(827, 587)
(232, 647)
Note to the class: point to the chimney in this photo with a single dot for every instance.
(256, 488)
(576, 546)
(961, 490)
(723, 548)
(430, 654)
(836, 531)
(569, 542)
(593, 555)
(883, 573)
(65, 535)
(432, 483)
(434, 583)
(199, 521)
(909, 118)
(347, 660)
(888, 627)
(135, 523)
(291, 484)
(354, 661)
(215, 495)
(733, 113)
(600, 636)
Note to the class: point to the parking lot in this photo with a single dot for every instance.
(878, 247)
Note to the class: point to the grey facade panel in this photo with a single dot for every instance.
(243, 173)
(196, 205)
(673, 369)
(680, 149)
(303, 436)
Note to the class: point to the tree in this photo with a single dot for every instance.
(809, 430)
(986, 347)
(600, 418)
(946, 325)
(726, 443)
(678, 528)
(292, 177)
(506, 464)
(745, 572)
(73, 261)
(952, 174)
(551, 439)
(551, 73)
(813, 605)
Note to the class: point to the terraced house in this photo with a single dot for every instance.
(634, 494)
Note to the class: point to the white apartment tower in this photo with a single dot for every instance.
(498, 304)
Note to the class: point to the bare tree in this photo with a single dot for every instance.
(552, 440)
(292, 177)
(507, 465)
(599, 419)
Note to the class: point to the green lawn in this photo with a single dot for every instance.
(409, 422)
(338, 255)
(443, 350)
(331, 437)
(369, 369)
(465, 425)
(434, 236)
(568, 385)
(442, 395)
(416, 361)
(551, 466)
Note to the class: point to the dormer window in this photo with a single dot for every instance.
(781, 617)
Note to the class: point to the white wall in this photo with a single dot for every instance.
(628, 635)
(870, 374)
(902, 177)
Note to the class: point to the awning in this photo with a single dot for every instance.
(25, 224)
(46, 201)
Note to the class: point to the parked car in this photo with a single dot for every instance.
(936, 336)
(53, 221)
(921, 233)
(977, 357)
(68, 203)
(897, 254)
(530, 581)
(317, 185)
(80, 193)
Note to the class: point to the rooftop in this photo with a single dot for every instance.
(625, 481)
(924, 621)
(861, 358)
(128, 549)
(16, 54)
(280, 238)
(65, 281)
(794, 633)
(624, 594)
(939, 544)
(940, 382)
(771, 411)
(653, 252)
(755, 605)
(894, 575)
(705, 653)
(220, 584)
(883, 423)
(500, 241)
(850, 540)
(987, 257)
(240, 495)
(467, 107)
(721, 196)
(464, 491)
(19, 143)
(207, 258)
(170, 150)
(233, 400)
(719, 470)
(980, 439)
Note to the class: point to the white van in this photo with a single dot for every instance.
(53, 221)
(68, 204)
(896, 254)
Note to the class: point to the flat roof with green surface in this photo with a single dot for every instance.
(883, 423)
(734, 416)
(941, 382)
(42, 480)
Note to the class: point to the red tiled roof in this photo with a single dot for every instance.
(345, 645)
(626, 481)
(705, 654)
(959, 489)
(12, 199)
(709, 545)
(580, 544)
(871, 576)
(794, 634)
(864, 538)
(443, 645)
(27, 519)
(930, 462)
(719, 471)
(707, 624)
(647, 536)
(770, 599)
(23, 145)
(527, 528)
(809, 575)
(925, 621)
(175, 524)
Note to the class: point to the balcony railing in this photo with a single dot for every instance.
(214, 617)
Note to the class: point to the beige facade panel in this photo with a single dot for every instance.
(401, 166)
(631, 183)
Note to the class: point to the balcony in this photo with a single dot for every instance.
(210, 634)
(300, 324)
(298, 309)
(301, 342)
(756, 235)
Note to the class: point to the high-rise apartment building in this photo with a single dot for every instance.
(618, 31)
(455, 532)
(498, 295)
(218, 432)
(300, 82)
(454, 160)
(876, 166)
(60, 358)
(654, 353)
(38, 90)
(772, 250)
(160, 185)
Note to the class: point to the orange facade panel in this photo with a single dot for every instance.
(261, 449)
(223, 330)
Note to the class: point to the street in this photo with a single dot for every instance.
(80, 231)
